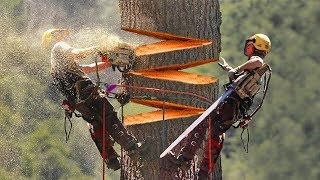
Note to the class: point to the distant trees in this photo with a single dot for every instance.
(283, 135)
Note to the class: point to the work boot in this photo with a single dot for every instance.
(113, 163)
(203, 175)
(140, 150)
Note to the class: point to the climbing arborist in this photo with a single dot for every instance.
(232, 110)
(86, 97)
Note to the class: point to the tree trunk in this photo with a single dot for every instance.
(190, 34)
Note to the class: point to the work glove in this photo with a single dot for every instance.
(225, 66)
(123, 54)
(232, 73)
(123, 98)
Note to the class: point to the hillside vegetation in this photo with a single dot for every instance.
(283, 136)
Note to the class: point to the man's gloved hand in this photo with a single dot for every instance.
(123, 54)
(123, 98)
(232, 73)
(224, 65)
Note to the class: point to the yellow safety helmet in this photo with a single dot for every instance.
(50, 34)
(260, 42)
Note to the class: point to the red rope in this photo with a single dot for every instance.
(184, 93)
(210, 149)
(164, 90)
(103, 139)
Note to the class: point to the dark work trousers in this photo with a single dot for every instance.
(91, 107)
(221, 120)
(82, 94)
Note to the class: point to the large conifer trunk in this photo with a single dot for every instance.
(190, 33)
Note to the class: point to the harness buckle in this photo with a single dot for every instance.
(67, 106)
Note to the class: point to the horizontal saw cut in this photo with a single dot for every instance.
(164, 104)
(180, 66)
(148, 56)
(170, 42)
(175, 87)
(177, 76)
(170, 114)
(168, 45)
(161, 35)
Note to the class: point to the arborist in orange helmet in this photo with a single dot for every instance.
(234, 108)
(86, 97)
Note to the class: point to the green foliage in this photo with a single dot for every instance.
(13, 9)
(31, 123)
(45, 155)
(283, 136)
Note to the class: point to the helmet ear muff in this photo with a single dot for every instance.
(249, 49)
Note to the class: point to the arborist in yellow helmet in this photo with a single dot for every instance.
(256, 48)
(84, 96)
(232, 111)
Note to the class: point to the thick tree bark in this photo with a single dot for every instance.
(190, 30)
(163, 132)
(206, 90)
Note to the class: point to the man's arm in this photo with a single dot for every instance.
(225, 66)
(83, 53)
(251, 64)
(92, 67)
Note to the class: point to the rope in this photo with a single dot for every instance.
(103, 139)
(246, 147)
(164, 127)
(266, 85)
(210, 148)
(167, 91)
(97, 72)
(66, 116)
(103, 123)
(121, 164)
(145, 97)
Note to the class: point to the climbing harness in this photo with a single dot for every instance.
(264, 73)
(94, 91)
(68, 111)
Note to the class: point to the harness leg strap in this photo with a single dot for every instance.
(97, 138)
(216, 146)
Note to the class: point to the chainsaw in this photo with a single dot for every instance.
(121, 57)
